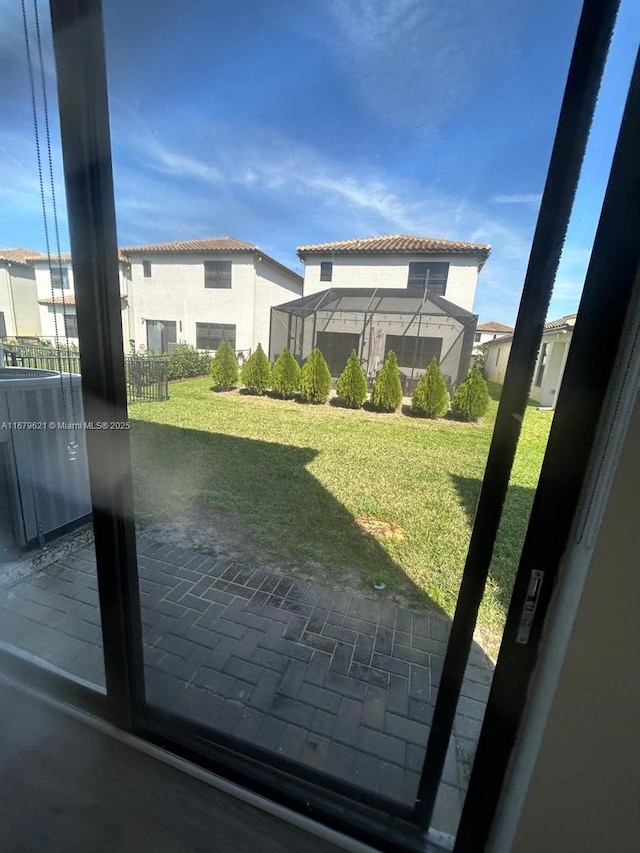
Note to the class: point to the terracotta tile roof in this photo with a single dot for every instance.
(68, 300)
(395, 244)
(28, 256)
(492, 326)
(20, 256)
(210, 244)
(567, 320)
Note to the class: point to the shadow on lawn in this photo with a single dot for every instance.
(511, 533)
(264, 497)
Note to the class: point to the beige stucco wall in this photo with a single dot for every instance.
(18, 300)
(495, 364)
(392, 271)
(176, 291)
(546, 394)
(6, 306)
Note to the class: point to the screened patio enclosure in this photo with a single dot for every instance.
(417, 326)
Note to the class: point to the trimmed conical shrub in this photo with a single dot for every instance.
(256, 373)
(386, 394)
(352, 384)
(224, 367)
(471, 399)
(315, 379)
(285, 375)
(430, 398)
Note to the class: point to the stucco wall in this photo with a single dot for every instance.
(18, 300)
(392, 271)
(546, 393)
(495, 365)
(273, 287)
(176, 291)
(5, 302)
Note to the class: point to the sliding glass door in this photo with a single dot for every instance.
(301, 592)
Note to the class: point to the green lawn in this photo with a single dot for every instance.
(293, 479)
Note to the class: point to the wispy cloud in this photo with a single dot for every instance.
(518, 198)
(417, 62)
(179, 165)
(255, 184)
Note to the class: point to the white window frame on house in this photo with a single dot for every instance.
(146, 269)
(59, 278)
(431, 276)
(218, 275)
(326, 270)
(70, 324)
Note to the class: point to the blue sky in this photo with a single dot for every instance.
(287, 122)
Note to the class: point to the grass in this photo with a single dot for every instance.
(294, 479)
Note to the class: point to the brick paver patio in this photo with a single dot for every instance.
(337, 681)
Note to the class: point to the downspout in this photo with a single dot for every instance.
(256, 260)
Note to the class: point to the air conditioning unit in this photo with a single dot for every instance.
(45, 464)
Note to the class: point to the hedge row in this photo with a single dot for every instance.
(312, 383)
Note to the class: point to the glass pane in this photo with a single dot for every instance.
(299, 564)
(48, 588)
(546, 384)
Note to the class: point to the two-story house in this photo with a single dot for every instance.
(412, 295)
(445, 268)
(201, 292)
(19, 314)
(56, 300)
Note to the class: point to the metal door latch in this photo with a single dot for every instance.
(529, 607)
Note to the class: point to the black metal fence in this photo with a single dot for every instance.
(147, 376)
(147, 379)
(66, 359)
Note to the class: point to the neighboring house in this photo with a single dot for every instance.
(486, 332)
(57, 302)
(19, 314)
(417, 326)
(201, 292)
(550, 364)
(446, 268)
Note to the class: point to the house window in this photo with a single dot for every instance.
(541, 365)
(60, 278)
(71, 325)
(326, 270)
(210, 335)
(413, 351)
(429, 275)
(146, 269)
(160, 335)
(217, 274)
(478, 336)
